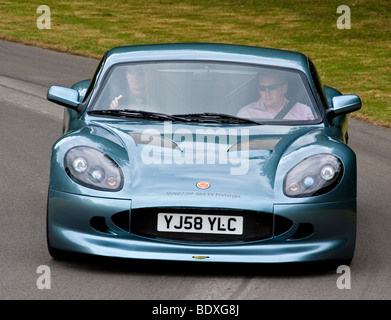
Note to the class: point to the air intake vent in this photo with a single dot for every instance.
(281, 225)
(255, 144)
(303, 231)
(121, 220)
(99, 224)
(153, 140)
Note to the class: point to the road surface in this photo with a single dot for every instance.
(29, 125)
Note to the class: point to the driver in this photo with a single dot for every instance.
(134, 92)
(272, 89)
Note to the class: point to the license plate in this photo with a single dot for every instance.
(192, 223)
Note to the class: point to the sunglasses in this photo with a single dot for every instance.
(270, 87)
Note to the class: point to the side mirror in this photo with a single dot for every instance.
(63, 96)
(81, 87)
(344, 104)
(330, 93)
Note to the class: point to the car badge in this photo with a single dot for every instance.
(203, 185)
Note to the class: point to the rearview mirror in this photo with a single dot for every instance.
(344, 104)
(66, 97)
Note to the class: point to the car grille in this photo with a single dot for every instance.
(256, 225)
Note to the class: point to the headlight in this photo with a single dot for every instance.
(93, 169)
(313, 176)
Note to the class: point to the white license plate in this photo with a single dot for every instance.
(192, 223)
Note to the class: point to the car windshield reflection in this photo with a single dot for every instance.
(206, 91)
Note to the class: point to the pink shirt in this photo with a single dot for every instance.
(257, 110)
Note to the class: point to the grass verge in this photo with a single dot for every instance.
(355, 60)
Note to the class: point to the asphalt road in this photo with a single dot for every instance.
(29, 125)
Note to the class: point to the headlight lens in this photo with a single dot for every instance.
(80, 164)
(94, 169)
(313, 176)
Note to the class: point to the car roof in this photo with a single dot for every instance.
(208, 52)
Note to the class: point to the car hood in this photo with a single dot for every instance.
(239, 164)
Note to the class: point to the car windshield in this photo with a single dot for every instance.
(205, 91)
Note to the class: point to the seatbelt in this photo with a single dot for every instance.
(284, 111)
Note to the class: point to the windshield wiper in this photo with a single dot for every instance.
(216, 118)
(205, 117)
(138, 114)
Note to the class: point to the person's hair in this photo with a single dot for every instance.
(138, 70)
(274, 74)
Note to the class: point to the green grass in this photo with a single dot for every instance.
(356, 60)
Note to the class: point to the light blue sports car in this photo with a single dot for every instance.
(203, 152)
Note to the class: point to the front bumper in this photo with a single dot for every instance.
(83, 224)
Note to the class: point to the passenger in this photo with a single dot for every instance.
(134, 93)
